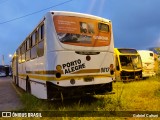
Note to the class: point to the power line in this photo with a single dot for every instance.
(3, 1)
(14, 19)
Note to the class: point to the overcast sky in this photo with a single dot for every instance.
(136, 23)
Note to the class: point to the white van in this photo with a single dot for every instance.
(147, 62)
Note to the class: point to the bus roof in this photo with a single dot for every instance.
(125, 51)
(145, 51)
(78, 14)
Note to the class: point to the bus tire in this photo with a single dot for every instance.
(15, 80)
(28, 85)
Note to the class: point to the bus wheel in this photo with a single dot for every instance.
(15, 80)
(28, 86)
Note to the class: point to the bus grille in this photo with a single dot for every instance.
(125, 75)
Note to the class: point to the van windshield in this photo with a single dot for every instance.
(81, 31)
(130, 62)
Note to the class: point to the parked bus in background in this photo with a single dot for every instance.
(128, 64)
(156, 64)
(67, 54)
(8, 70)
(147, 57)
(156, 51)
(2, 71)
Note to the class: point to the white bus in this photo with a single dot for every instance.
(67, 54)
(147, 57)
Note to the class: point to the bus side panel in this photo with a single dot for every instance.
(36, 83)
(39, 89)
(21, 75)
(22, 83)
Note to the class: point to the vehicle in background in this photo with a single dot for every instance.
(8, 70)
(156, 51)
(128, 64)
(66, 55)
(2, 71)
(147, 57)
(156, 64)
(5, 70)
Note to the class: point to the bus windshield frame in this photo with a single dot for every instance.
(130, 62)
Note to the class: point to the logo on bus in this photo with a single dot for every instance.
(73, 66)
(105, 69)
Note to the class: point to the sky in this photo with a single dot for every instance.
(136, 23)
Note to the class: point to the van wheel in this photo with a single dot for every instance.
(28, 86)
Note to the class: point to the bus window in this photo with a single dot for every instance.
(19, 56)
(23, 52)
(19, 59)
(28, 55)
(34, 52)
(151, 54)
(41, 32)
(23, 57)
(27, 44)
(22, 49)
(103, 27)
(36, 36)
(136, 61)
(33, 40)
(40, 50)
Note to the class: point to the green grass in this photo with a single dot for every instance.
(141, 95)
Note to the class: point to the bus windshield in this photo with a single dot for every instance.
(130, 62)
(80, 31)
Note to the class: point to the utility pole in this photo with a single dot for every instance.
(2, 59)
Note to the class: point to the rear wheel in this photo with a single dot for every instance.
(15, 80)
(28, 86)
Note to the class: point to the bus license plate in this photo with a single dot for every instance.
(88, 79)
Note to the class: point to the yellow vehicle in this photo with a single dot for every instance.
(128, 64)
